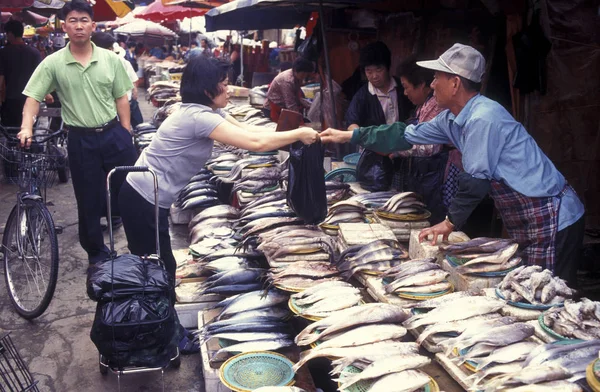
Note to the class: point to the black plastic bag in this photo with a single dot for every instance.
(374, 172)
(306, 182)
(140, 330)
(125, 275)
(309, 49)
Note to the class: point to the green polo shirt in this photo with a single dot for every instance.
(87, 94)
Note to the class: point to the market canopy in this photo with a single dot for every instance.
(158, 12)
(269, 14)
(206, 4)
(145, 28)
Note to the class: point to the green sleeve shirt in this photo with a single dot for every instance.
(384, 139)
(87, 94)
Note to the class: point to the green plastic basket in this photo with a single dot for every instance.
(249, 371)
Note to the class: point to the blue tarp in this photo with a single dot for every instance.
(268, 14)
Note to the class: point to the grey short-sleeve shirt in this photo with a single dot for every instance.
(177, 152)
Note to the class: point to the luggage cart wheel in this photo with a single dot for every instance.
(103, 368)
(176, 362)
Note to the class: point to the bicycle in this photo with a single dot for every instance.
(29, 243)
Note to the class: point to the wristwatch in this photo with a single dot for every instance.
(448, 220)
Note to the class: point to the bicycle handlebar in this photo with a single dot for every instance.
(36, 139)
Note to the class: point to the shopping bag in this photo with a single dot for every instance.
(306, 182)
(374, 171)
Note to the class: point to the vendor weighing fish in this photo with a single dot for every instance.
(539, 209)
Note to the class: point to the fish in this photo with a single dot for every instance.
(236, 170)
(253, 186)
(277, 194)
(352, 317)
(263, 173)
(211, 192)
(439, 301)
(271, 312)
(411, 267)
(366, 351)
(207, 231)
(489, 267)
(233, 288)
(256, 345)
(331, 304)
(253, 300)
(502, 335)
(219, 211)
(540, 279)
(461, 308)
(430, 277)
(384, 366)
(250, 336)
(552, 386)
(405, 381)
(458, 326)
(493, 370)
(500, 256)
(229, 264)
(324, 294)
(529, 375)
(365, 334)
(200, 202)
(339, 217)
(246, 327)
(347, 205)
(510, 353)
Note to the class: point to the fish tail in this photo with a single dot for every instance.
(305, 356)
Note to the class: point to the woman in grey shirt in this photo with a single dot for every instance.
(180, 149)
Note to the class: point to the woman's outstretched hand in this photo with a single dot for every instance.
(308, 135)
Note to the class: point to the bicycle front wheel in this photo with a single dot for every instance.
(30, 263)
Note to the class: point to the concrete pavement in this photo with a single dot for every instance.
(56, 346)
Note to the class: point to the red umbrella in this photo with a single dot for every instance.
(158, 12)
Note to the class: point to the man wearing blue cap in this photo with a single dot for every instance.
(540, 210)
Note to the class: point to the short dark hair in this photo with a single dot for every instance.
(131, 44)
(15, 27)
(76, 5)
(303, 65)
(103, 40)
(375, 53)
(414, 74)
(470, 85)
(201, 78)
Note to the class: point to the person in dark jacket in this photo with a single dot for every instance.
(381, 100)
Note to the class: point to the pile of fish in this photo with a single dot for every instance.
(404, 203)
(336, 191)
(259, 180)
(222, 162)
(253, 321)
(226, 259)
(236, 281)
(556, 367)
(575, 320)
(502, 340)
(419, 276)
(374, 258)
(534, 286)
(373, 199)
(243, 112)
(199, 192)
(484, 254)
(326, 297)
(143, 135)
(164, 90)
(368, 338)
(235, 173)
(448, 312)
(302, 275)
(288, 242)
(165, 111)
(346, 211)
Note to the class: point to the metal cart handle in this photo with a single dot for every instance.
(130, 169)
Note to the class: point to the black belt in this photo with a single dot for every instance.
(97, 129)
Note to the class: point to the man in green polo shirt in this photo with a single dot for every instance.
(92, 86)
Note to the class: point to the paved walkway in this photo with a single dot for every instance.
(56, 346)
